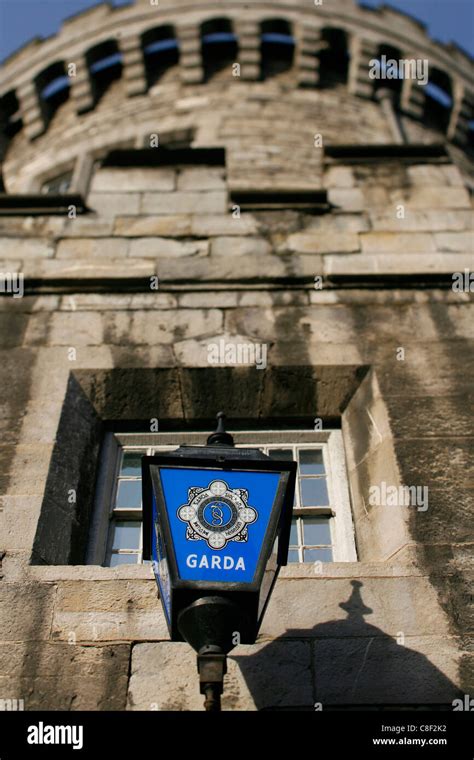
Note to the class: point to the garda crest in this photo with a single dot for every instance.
(217, 514)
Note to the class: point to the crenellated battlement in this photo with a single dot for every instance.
(191, 41)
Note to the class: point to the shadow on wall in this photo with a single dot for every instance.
(343, 663)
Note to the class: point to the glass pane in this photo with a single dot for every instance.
(316, 531)
(280, 454)
(294, 534)
(293, 556)
(314, 492)
(129, 494)
(314, 555)
(126, 535)
(131, 463)
(123, 559)
(311, 461)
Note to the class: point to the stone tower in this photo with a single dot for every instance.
(240, 175)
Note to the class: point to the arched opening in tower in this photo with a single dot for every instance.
(219, 46)
(333, 58)
(10, 118)
(53, 88)
(105, 66)
(389, 73)
(277, 47)
(438, 100)
(160, 52)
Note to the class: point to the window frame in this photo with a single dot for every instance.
(339, 509)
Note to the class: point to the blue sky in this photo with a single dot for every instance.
(22, 20)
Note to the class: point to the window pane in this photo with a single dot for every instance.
(314, 555)
(314, 492)
(123, 559)
(316, 531)
(126, 535)
(280, 454)
(294, 533)
(131, 463)
(311, 462)
(293, 556)
(129, 494)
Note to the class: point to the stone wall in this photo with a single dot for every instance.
(333, 295)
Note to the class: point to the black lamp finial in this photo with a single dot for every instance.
(219, 437)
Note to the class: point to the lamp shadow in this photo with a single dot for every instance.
(343, 664)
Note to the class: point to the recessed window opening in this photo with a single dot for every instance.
(105, 66)
(334, 58)
(277, 47)
(219, 46)
(53, 87)
(160, 52)
(389, 75)
(58, 185)
(438, 100)
(10, 114)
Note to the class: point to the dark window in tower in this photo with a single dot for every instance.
(438, 100)
(10, 118)
(277, 47)
(333, 58)
(389, 74)
(53, 88)
(160, 52)
(219, 46)
(105, 65)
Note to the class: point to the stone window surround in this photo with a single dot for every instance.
(187, 398)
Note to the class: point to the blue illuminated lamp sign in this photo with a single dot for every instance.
(216, 524)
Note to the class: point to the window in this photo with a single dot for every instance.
(322, 523)
(160, 52)
(53, 88)
(105, 66)
(218, 46)
(277, 47)
(57, 185)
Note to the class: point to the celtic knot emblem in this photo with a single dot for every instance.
(217, 514)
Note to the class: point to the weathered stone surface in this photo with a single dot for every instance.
(338, 222)
(396, 263)
(74, 329)
(138, 226)
(239, 246)
(91, 225)
(455, 241)
(408, 242)
(137, 328)
(373, 670)
(433, 197)
(108, 611)
(421, 220)
(339, 176)
(82, 248)
(28, 248)
(268, 674)
(114, 204)
(31, 226)
(201, 178)
(182, 202)
(301, 608)
(26, 611)
(208, 224)
(155, 179)
(63, 676)
(350, 199)
(155, 247)
(323, 242)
